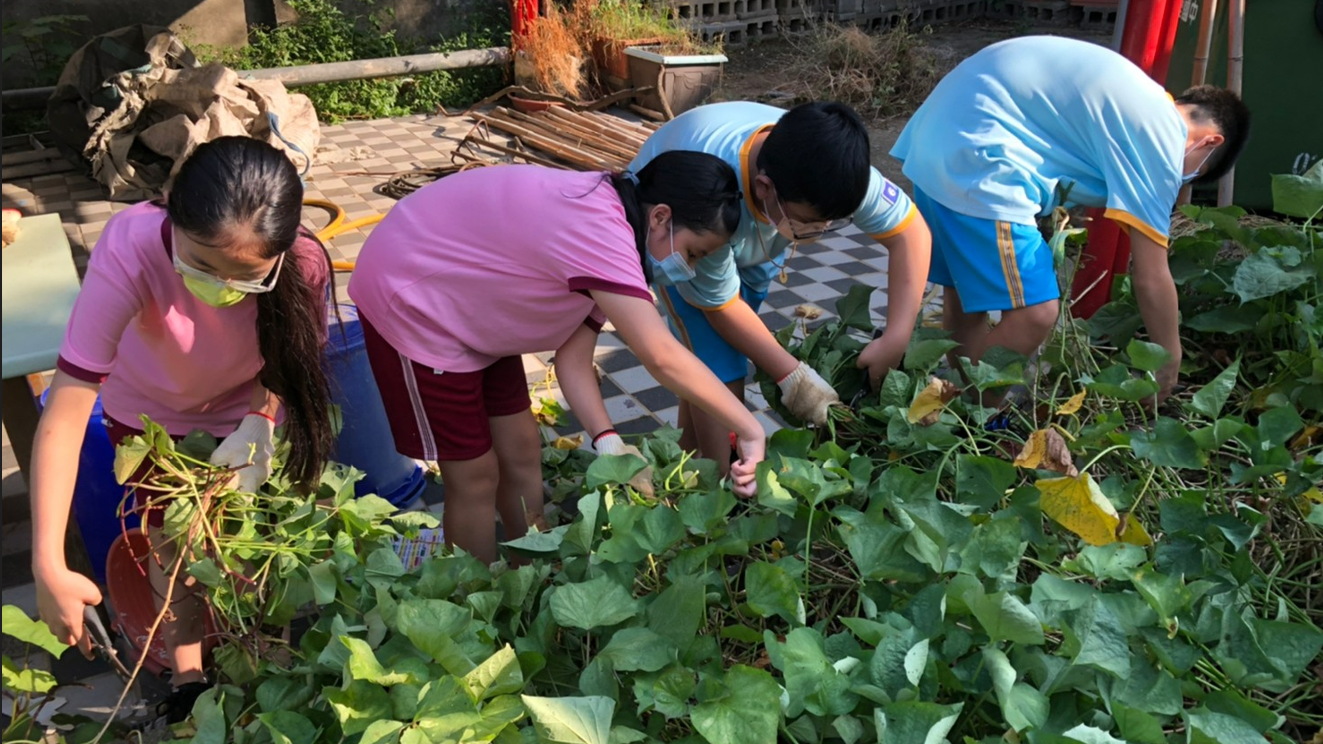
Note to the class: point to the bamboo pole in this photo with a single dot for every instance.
(543, 125)
(1207, 13)
(562, 150)
(609, 142)
(538, 127)
(630, 129)
(586, 140)
(564, 130)
(1226, 188)
(656, 115)
(604, 126)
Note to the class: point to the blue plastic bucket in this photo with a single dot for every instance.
(365, 440)
(97, 496)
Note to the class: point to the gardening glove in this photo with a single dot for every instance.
(807, 395)
(610, 443)
(248, 449)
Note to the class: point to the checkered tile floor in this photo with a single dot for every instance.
(354, 160)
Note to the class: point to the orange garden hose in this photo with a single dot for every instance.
(337, 226)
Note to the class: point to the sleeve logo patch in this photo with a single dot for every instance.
(890, 192)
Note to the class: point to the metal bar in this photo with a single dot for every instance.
(1118, 32)
(334, 72)
(330, 72)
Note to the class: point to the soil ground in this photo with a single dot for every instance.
(760, 72)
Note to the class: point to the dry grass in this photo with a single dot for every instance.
(553, 55)
(1182, 226)
(882, 75)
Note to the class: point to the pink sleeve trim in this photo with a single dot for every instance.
(583, 284)
(79, 373)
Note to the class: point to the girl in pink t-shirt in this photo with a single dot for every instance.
(468, 273)
(203, 313)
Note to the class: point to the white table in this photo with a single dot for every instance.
(40, 285)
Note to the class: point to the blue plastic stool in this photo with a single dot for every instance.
(365, 440)
(97, 496)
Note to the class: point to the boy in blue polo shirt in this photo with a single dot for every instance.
(1023, 122)
(804, 173)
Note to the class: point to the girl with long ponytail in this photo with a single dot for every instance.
(207, 311)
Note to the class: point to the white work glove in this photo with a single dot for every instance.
(610, 443)
(249, 449)
(807, 395)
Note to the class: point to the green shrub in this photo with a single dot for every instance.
(323, 33)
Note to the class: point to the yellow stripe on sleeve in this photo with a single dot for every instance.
(898, 229)
(1134, 223)
(722, 306)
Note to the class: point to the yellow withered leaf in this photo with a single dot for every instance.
(808, 312)
(928, 404)
(1046, 450)
(568, 443)
(1076, 503)
(1132, 531)
(1073, 405)
(1306, 438)
(1313, 494)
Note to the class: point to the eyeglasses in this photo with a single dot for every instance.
(803, 231)
(249, 286)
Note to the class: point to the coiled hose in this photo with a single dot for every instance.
(337, 226)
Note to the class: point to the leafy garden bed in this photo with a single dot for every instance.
(1096, 572)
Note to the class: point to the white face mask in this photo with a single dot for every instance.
(1188, 177)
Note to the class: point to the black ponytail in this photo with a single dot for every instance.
(702, 191)
(239, 183)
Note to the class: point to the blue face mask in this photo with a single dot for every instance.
(673, 267)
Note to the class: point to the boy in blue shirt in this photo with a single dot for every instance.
(804, 173)
(1023, 122)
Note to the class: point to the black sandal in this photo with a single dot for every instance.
(178, 706)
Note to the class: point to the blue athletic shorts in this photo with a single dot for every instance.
(690, 325)
(993, 265)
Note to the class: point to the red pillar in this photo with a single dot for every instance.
(1147, 40)
(523, 13)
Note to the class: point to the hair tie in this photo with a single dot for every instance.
(629, 175)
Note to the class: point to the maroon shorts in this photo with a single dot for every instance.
(443, 415)
(155, 515)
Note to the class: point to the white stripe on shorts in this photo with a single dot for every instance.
(419, 413)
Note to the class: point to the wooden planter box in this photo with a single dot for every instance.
(681, 81)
